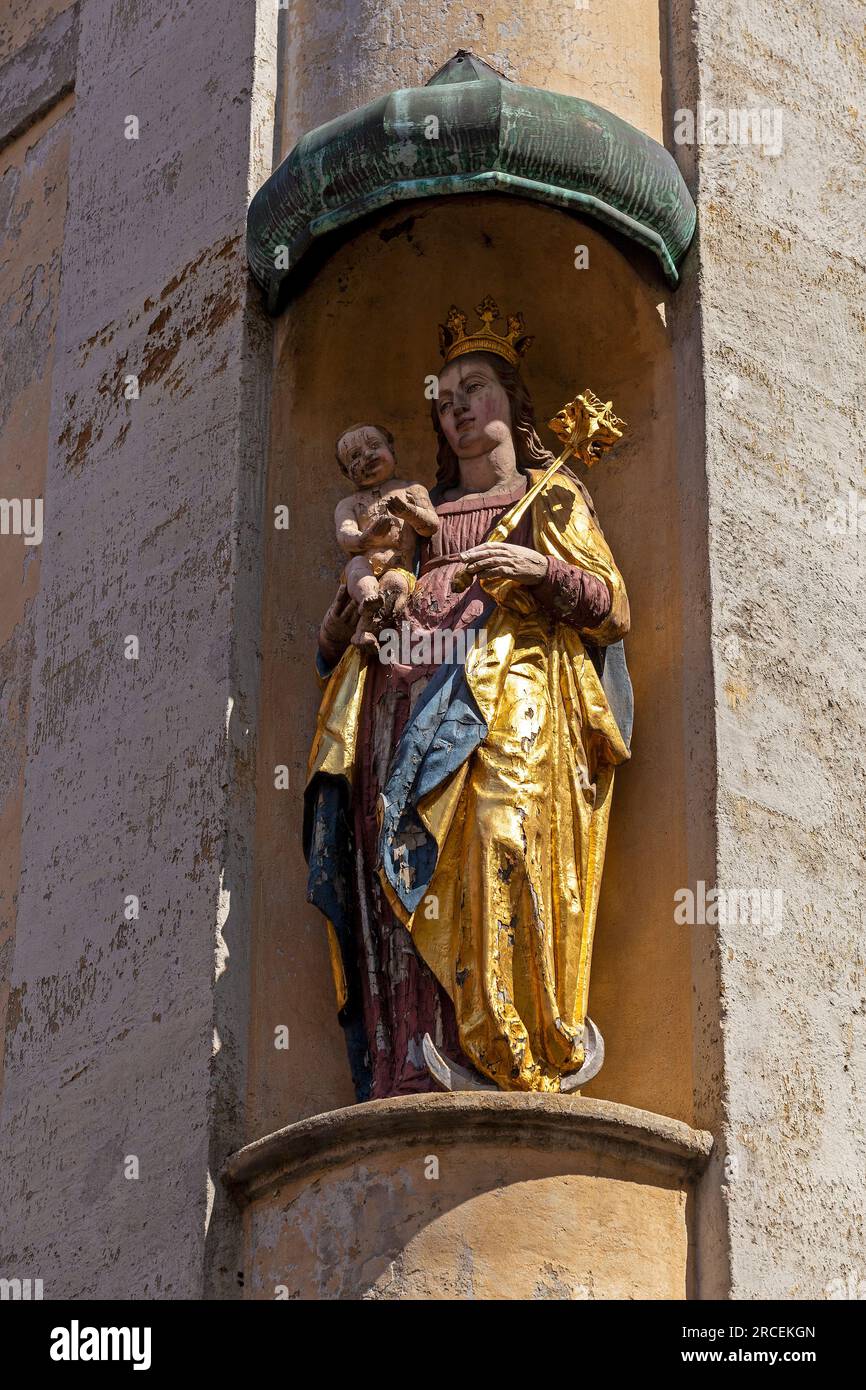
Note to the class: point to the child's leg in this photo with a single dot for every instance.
(363, 586)
(361, 582)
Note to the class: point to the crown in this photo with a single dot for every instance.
(454, 341)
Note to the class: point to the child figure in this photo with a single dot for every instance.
(377, 526)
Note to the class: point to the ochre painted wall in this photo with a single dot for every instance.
(341, 55)
(33, 174)
(498, 1221)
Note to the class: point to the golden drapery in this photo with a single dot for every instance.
(508, 920)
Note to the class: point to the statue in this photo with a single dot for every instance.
(456, 814)
(377, 527)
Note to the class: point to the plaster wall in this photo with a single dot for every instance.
(775, 283)
(126, 1035)
(26, 20)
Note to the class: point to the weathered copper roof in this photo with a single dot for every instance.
(489, 135)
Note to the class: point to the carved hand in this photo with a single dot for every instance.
(386, 530)
(419, 514)
(338, 625)
(500, 560)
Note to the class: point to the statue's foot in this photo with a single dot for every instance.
(370, 613)
(393, 602)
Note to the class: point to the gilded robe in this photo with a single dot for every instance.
(494, 813)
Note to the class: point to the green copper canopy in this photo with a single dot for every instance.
(470, 130)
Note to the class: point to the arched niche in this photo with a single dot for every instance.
(358, 342)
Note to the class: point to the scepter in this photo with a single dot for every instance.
(588, 427)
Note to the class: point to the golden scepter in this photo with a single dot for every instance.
(588, 427)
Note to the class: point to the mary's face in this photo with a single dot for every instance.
(473, 408)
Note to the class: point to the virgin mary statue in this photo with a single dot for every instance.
(457, 813)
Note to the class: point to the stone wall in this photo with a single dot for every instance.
(127, 1025)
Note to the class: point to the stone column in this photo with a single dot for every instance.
(768, 421)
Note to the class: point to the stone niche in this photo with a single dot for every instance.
(534, 1196)
(357, 343)
(471, 1197)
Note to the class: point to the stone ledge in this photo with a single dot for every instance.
(346, 1136)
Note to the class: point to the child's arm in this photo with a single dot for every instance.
(349, 535)
(416, 509)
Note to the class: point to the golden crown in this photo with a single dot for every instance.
(454, 341)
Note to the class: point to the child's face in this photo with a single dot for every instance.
(367, 456)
